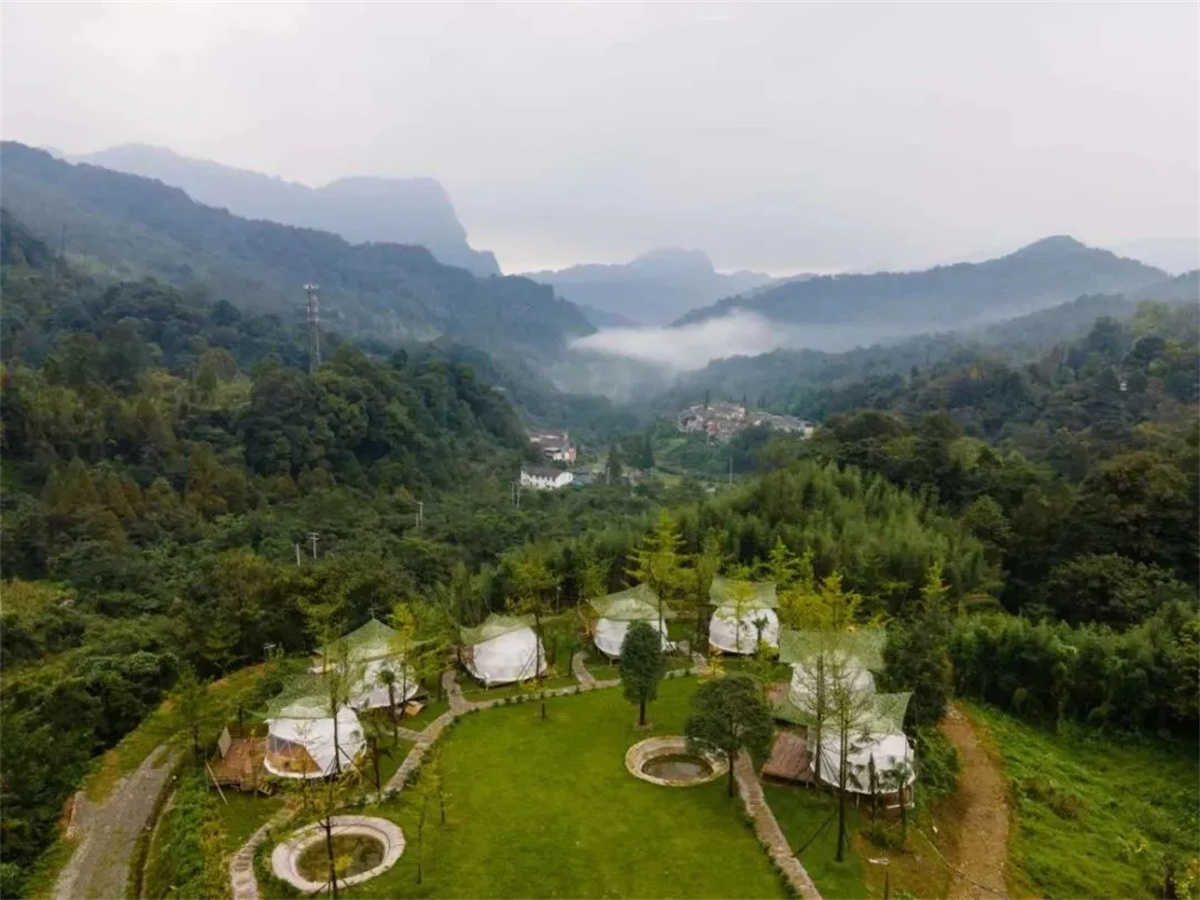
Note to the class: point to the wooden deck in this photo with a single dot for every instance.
(241, 767)
(789, 758)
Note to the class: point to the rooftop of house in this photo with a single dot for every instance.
(542, 471)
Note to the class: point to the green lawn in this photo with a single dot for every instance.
(242, 815)
(546, 809)
(800, 813)
(1095, 815)
(474, 691)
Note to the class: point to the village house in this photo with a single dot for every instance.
(554, 445)
(723, 420)
(545, 478)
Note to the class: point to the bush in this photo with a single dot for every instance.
(938, 762)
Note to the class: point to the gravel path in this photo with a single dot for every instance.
(99, 867)
(981, 858)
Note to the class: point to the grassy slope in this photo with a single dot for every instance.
(1094, 814)
(547, 809)
(800, 813)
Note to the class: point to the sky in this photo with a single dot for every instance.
(782, 138)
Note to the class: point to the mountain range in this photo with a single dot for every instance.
(1047, 272)
(361, 209)
(652, 289)
(127, 226)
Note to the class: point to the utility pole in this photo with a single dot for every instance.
(297, 553)
(731, 468)
(314, 328)
(420, 514)
(313, 537)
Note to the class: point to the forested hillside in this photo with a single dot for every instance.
(126, 226)
(1052, 270)
(393, 210)
(1025, 531)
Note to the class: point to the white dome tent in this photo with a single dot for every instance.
(618, 610)
(890, 752)
(300, 737)
(744, 615)
(370, 650)
(876, 740)
(503, 649)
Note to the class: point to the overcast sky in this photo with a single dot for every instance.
(782, 138)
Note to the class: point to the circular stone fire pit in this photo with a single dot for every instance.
(292, 857)
(668, 762)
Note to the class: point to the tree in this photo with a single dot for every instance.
(191, 701)
(851, 710)
(532, 585)
(642, 665)
(917, 654)
(612, 468)
(657, 563)
(698, 583)
(403, 642)
(730, 715)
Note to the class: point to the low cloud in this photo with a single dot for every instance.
(740, 333)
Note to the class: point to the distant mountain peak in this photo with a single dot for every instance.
(361, 208)
(1055, 243)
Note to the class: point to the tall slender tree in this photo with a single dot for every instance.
(642, 665)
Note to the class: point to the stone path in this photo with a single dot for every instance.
(408, 734)
(458, 703)
(768, 830)
(99, 867)
(981, 857)
(580, 671)
(241, 867)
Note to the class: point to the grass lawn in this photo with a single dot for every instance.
(800, 813)
(390, 758)
(472, 690)
(243, 814)
(1095, 814)
(430, 711)
(546, 809)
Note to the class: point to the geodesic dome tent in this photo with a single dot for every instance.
(369, 651)
(881, 742)
(301, 734)
(618, 610)
(815, 656)
(503, 649)
(745, 611)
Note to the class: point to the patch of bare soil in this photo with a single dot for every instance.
(981, 809)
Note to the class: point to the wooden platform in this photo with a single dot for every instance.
(789, 758)
(241, 767)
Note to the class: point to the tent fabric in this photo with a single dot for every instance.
(888, 751)
(730, 634)
(633, 603)
(493, 627)
(864, 644)
(609, 634)
(369, 691)
(803, 688)
(724, 592)
(511, 656)
(370, 641)
(314, 735)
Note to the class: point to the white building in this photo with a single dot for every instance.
(545, 478)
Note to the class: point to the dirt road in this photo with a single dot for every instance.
(982, 800)
(108, 831)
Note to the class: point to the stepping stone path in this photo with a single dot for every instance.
(241, 868)
(581, 673)
(768, 830)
